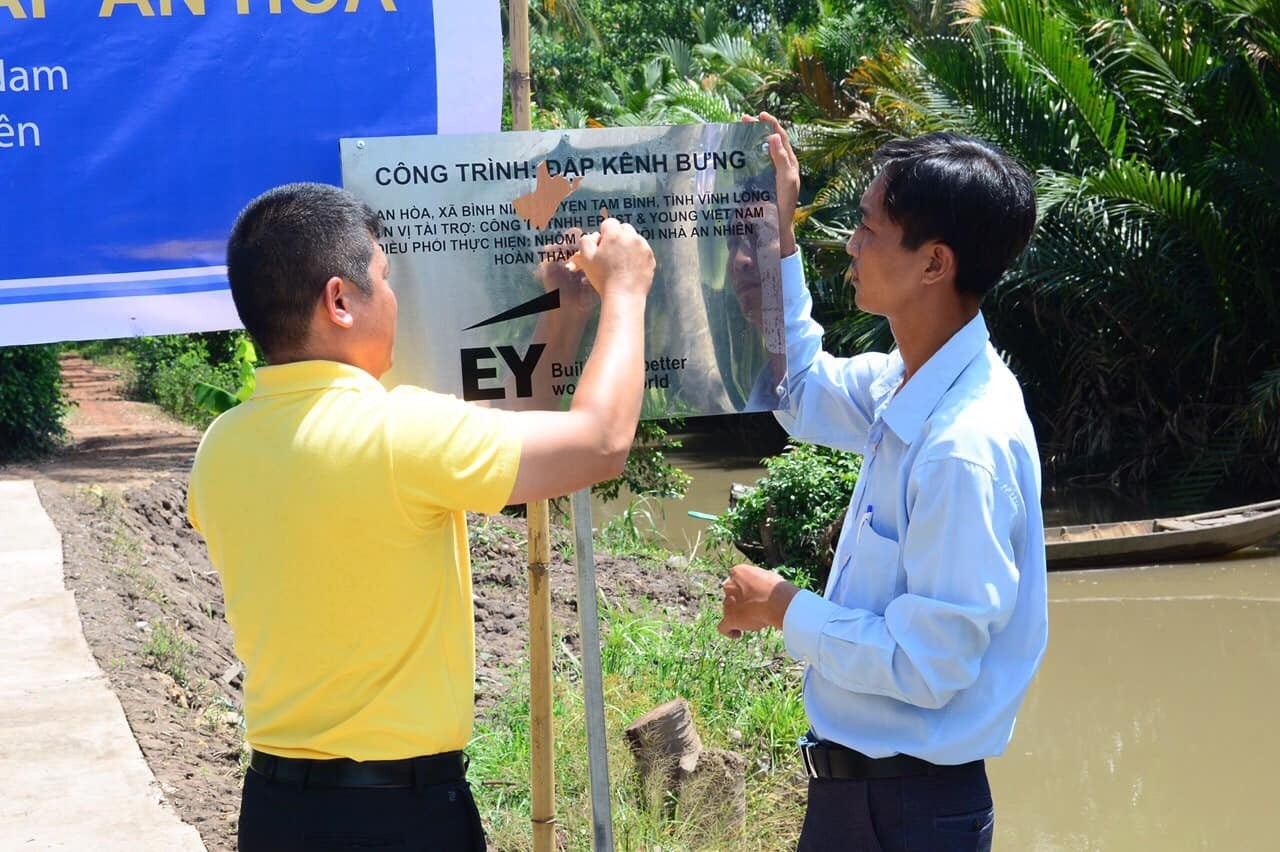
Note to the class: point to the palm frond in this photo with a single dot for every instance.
(733, 50)
(573, 117)
(680, 55)
(814, 78)
(685, 102)
(1038, 43)
(844, 191)
(1263, 409)
(567, 14)
(1141, 71)
(840, 145)
(969, 90)
(1257, 24)
(1127, 188)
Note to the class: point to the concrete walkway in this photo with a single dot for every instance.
(71, 774)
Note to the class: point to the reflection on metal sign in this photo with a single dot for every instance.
(477, 230)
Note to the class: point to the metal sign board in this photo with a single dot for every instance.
(477, 229)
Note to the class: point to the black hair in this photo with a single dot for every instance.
(284, 246)
(963, 192)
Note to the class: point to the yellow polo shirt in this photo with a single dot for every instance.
(333, 510)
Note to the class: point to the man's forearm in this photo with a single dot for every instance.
(612, 386)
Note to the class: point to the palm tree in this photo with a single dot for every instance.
(1145, 317)
(715, 79)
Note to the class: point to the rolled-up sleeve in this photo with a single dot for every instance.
(961, 586)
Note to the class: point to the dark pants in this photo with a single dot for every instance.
(280, 817)
(948, 812)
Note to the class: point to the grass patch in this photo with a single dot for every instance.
(167, 650)
(745, 696)
(634, 531)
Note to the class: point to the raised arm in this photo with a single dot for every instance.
(562, 451)
(826, 400)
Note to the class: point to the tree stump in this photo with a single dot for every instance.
(666, 746)
(704, 788)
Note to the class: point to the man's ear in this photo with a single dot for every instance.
(335, 302)
(940, 263)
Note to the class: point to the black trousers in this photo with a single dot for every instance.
(278, 816)
(947, 812)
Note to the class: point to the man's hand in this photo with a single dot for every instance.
(754, 599)
(578, 298)
(787, 168)
(562, 451)
(616, 260)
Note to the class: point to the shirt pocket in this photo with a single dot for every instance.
(874, 570)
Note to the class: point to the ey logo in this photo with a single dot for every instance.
(475, 360)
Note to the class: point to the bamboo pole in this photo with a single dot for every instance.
(518, 24)
(541, 735)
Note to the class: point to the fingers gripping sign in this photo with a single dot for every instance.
(787, 168)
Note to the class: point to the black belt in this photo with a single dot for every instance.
(823, 759)
(343, 772)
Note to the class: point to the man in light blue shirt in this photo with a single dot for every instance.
(934, 617)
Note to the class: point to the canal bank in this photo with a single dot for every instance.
(1150, 723)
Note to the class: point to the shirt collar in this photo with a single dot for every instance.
(906, 412)
(303, 376)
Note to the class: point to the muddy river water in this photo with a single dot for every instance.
(1153, 721)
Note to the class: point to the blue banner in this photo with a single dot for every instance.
(133, 131)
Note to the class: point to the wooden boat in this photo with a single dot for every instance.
(1201, 536)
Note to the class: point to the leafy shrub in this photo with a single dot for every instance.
(216, 399)
(167, 370)
(153, 356)
(175, 385)
(786, 521)
(647, 472)
(31, 401)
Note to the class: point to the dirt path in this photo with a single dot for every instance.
(115, 441)
(151, 605)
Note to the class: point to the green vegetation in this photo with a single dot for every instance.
(216, 400)
(168, 370)
(31, 402)
(167, 650)
(185, 374)
(790, 520)
(1142, 320)
(647, 472)
(745, 697)
(632, 531)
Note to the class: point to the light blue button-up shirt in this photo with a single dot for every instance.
(935, 616)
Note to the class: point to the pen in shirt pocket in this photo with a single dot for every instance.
(863, 523)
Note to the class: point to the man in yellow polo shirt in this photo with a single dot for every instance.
(333, 510)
